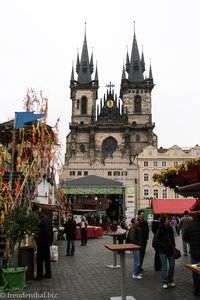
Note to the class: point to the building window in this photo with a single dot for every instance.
(146, 163)
(146, 177)
(116, 173)
(109, 146)
(146, 193)
(78, 103)
(109, 173)
(176, 195)
(155, 163)
(137, 104)
(82, 148)
(72, 173)
(164, 164)
(84, 105)
(124, 173)
(155, 193)
(85, 173)
(150, 153)
(175, 163)
(79, 173)
(164, 193)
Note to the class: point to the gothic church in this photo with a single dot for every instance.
(121, 123)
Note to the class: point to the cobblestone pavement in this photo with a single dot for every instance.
(85, 276)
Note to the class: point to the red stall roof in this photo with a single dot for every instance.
(173, 205)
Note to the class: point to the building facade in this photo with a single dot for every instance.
(153, 160)
(107, 134)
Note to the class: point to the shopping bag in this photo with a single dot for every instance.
(176, 253)
(54, 253)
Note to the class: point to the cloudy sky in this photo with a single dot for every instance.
(40, 38)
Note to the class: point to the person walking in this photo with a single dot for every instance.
(154, 228)
(83, 226)
(185, 221)
(174, 225)
(70, 230)
(43, 240)
(192, 236)
(135, 237)
(165, 242)
(145, 235)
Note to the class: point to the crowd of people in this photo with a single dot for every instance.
(165, 229)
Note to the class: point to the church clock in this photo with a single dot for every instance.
(110, 103)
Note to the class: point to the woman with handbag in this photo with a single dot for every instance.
(165, 242)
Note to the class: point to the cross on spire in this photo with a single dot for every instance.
(110, 85)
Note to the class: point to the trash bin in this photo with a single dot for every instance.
(26, 258)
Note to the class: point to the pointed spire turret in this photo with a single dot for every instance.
(72, 74)
(123, 73)
(142, 61)
(84, 74)
(127, 61)
(135, 70)
(150, 72)
(77, 62)
(91, 63)
(96, 78)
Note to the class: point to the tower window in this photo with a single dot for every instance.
(109, 146)
(137, 103)
(82, 148)
(83, 105)
(78, 103)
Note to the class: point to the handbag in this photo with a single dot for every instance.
(176, 253)
(54, 253)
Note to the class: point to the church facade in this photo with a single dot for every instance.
(107, 135)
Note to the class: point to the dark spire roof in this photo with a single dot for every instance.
(91, 63)
(72, 74)
(142, 61)
(135, 66)
(77, 63)
(150, 72)
(84, 73)
(96, 74)
(123, 73)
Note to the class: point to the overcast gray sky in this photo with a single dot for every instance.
(39, 41)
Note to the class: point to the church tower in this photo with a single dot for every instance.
(84, 93)
(135, 93)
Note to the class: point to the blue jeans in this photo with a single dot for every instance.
(196, 278)
(70, 247)
(167, 275)
(136, 262)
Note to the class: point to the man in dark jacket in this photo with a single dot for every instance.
(70, 229)
(145, 235)
(44, 240)
(192, 237)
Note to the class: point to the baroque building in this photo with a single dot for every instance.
(154, 160)
(106, 135)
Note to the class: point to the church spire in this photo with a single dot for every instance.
(72, 74)
(135, 65)
(84, 73)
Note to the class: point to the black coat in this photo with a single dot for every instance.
(45, 231)
(70, 229)
(164, 239)
(192, 236)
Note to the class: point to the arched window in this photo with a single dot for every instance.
(137, 103)
(78, 103)
(82, 148)
(83, 105)
(109, 146)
